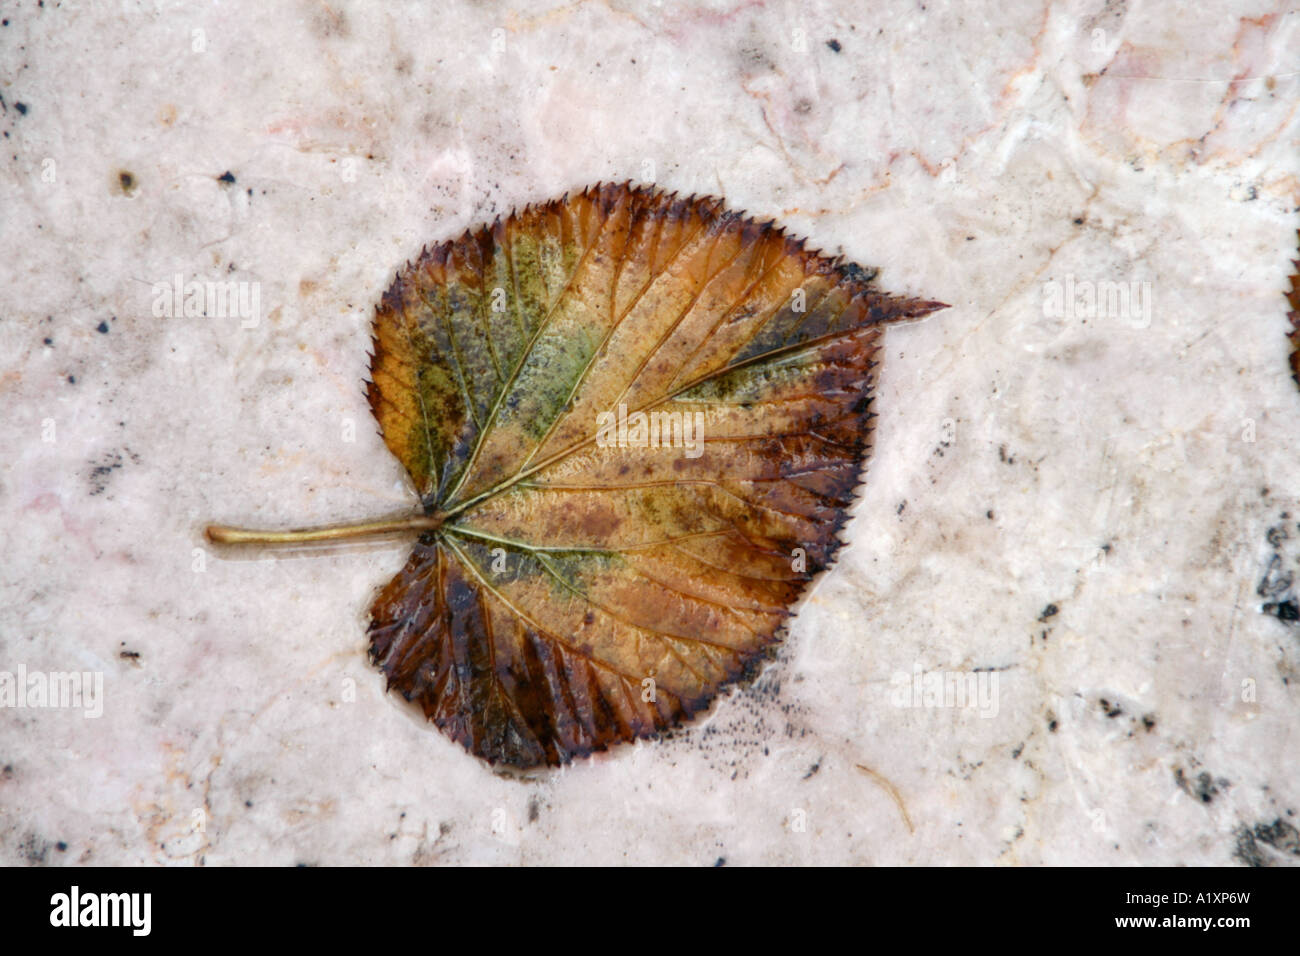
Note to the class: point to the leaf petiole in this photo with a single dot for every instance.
(225, 534)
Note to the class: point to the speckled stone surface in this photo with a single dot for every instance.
(1084, 494)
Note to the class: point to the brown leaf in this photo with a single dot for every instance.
(575, 588)
(1293, 300)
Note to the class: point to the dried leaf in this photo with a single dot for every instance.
(1293, 300)
(573, 592)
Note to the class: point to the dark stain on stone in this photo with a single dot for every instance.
(754, 57)
(1204, 787)
(34, 849)
(102, 470)
(331, 23)
(1279, 836)
(1247, 850)
(1286, 611)
(1276, 585)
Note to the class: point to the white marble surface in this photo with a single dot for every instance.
(976, 152)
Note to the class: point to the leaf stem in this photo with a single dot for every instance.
(225, 534)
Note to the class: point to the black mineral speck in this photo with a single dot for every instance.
(1283, 610)
(102, 470)
(1205, 788)
(227, 177)
(834, 45)
(102, 328)
(21, 108)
